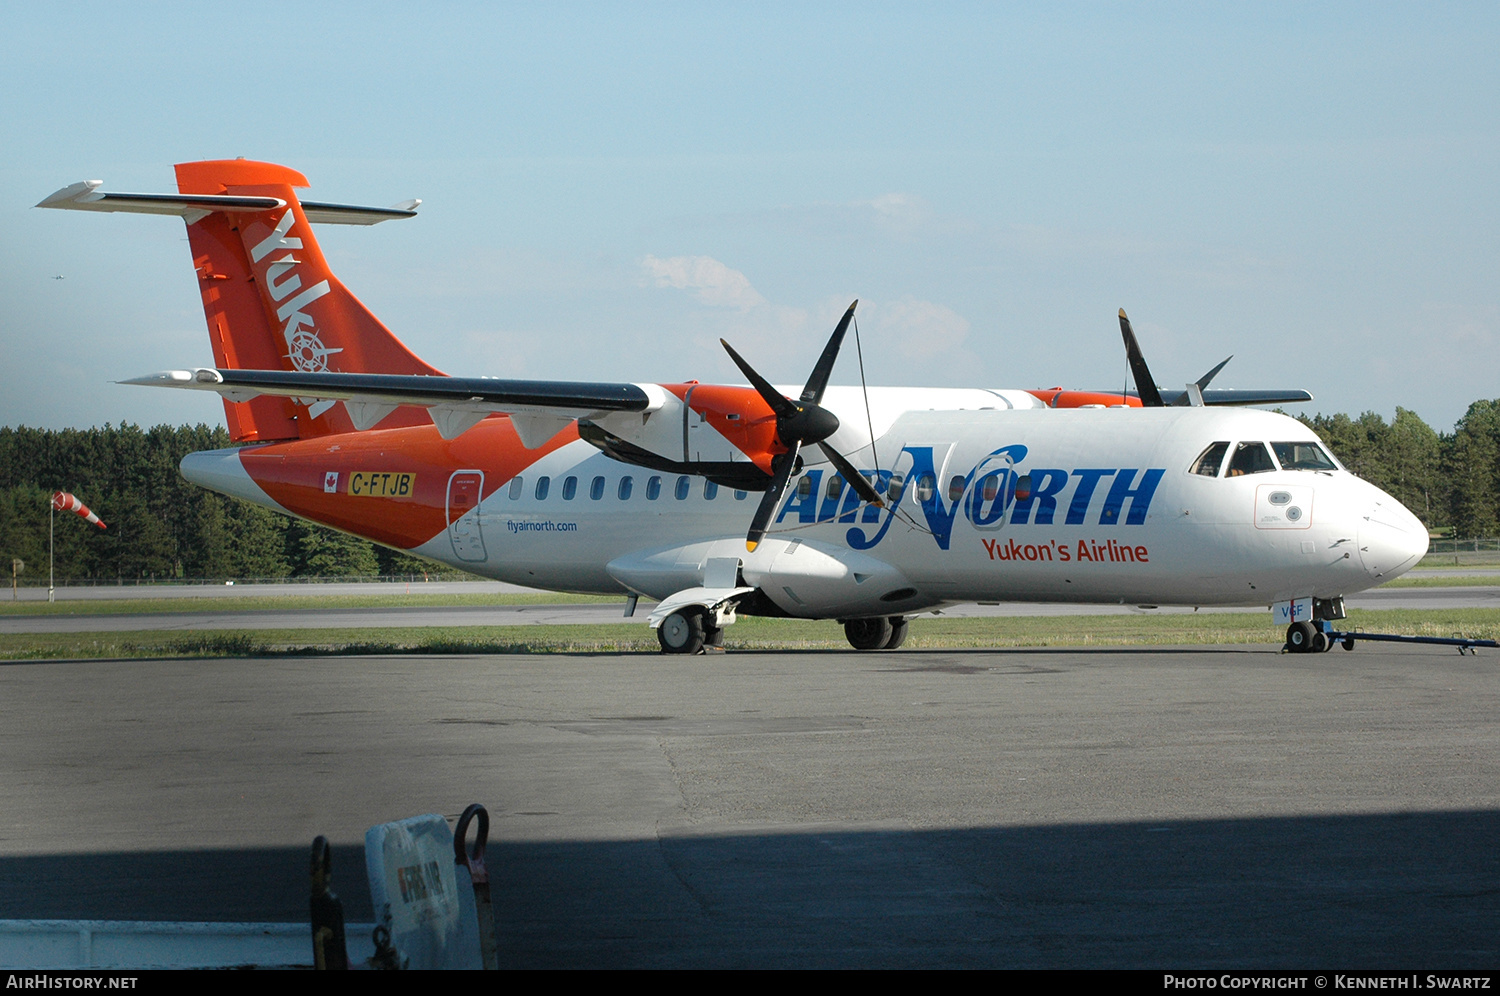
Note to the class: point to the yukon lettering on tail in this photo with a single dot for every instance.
(282, 283)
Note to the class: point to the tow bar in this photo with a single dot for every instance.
(1324, 636)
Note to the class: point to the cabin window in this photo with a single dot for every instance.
(570, 488)
(653, 488)
(956, 488)
(835, 487)
(683, 483)
(626, 484)
(1210, 460)
(1250, 458)
(1302, 456)
(542, 484)
(596, 488)
(740, 495)
(895, 488)
(515, 488)
(710, 490)
(989, 487)
(926, 488)
(804, 486)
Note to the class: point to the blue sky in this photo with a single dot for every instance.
(608, 189)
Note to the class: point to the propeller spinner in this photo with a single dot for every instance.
(799, 423)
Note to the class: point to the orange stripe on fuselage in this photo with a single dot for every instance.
(294, 475)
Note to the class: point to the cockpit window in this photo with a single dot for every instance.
(1250, 458)
(1210, 460)
(1302, 456)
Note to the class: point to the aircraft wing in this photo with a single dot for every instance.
(539, 408)
(1232, 396)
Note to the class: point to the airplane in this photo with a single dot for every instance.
(867, 505)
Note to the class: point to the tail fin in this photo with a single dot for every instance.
(273, 304)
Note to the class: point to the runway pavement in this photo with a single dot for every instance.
(223, 616)
(1152, 807)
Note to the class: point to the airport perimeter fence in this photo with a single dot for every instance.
(1481, 544)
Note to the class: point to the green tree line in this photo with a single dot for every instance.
(162, 527)
(1450, 480)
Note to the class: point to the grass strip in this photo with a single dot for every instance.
(1447, 581)
(750, 633)
(284, 603)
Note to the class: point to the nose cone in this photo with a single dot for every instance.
(1391, 539)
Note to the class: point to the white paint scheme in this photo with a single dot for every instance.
(1113, 514)
(1204, 539)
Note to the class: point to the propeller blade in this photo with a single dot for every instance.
(818, 380)
(1193, 396)
(856, 480)
(1203, 381)
(783, 406)
(1145, 386)
(781, 471)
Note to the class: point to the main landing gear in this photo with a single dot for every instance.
(880, 633)
(688, 631)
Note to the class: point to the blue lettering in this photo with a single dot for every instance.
(1004, 485)
(806, 508)
(855, 537)
(1045, 484)
(1140, 497)
(989, 492)
(1088, 480)
(939, 516)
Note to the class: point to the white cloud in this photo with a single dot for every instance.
(903, 211)
(922, 329)
(711, 281)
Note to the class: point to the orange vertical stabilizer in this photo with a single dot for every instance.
(273, 304)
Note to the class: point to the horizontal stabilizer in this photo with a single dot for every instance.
(86, 196)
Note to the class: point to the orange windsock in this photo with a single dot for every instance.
(65, 502)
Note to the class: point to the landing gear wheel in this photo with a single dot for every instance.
(1320, 642)
(1299, 637)
(868, 634)
(681, 633)
(713, 636)
(898, 633)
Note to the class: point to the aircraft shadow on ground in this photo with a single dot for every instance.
(1405, 890)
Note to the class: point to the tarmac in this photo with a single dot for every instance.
(1221, 807)
(223, 616)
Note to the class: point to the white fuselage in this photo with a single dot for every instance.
(1113, 513)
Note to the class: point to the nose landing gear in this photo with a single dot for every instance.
(1306, 638)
